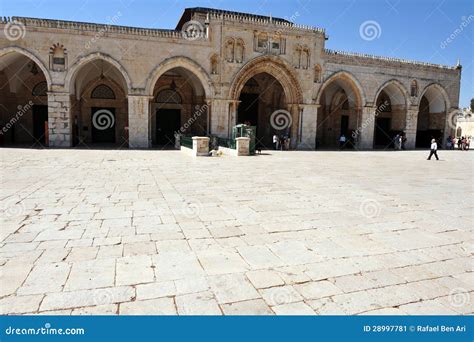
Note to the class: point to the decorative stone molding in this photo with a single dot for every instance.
(250, 19)
(351, 80)
(90, 27)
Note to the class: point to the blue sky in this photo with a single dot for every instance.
(411, 29)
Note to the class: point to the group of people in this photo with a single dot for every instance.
(462, 143)
(399, 141)
(281, 142)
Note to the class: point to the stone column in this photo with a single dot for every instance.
(309, 122)
(410, 127)
(294, 131)
(138, 121)
(366, 128)
(59, 119)
(219, 112)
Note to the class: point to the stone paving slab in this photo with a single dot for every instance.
(157, 232)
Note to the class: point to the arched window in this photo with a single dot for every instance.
(103, 92)
(40, 89)
(414, 88)
(58, 57)
(317, 74)
(168, 96)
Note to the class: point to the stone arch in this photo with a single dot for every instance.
(396, 85)
(436, 87)
(32, 56)
(179, 62)
(273, 66)
(351, 80)
(79, 63)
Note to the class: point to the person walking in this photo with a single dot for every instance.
(275, 141)
(434, 148)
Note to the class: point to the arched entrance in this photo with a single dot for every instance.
(268, 97)
(432, 113)
(24, 99)
(261, 96)
(178, 106)
(340, 100)
(391, 102)
(99, 106)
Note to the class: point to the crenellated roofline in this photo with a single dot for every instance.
(334, 53)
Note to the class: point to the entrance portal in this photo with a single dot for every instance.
(168, 121)
(261, 96)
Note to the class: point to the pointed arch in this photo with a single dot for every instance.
(30, 55)
(395, 90)
(179, 62)
(345, 78)
(274, 66)
(80, 62)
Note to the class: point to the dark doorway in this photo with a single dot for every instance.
(423, 138)
(40, 118)
(345, 125)
(383, 134)
(248, 109)
(168, 121)
(103, 125)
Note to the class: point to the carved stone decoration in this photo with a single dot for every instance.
(214, 64)
(239, 51)
(229, 50)
(57, 57)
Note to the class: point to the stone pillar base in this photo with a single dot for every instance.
(200, 146)
(242, 146)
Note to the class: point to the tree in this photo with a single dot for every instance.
(472, 105)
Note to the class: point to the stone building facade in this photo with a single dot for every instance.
(72, 83)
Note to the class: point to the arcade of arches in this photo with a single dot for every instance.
(30, 113)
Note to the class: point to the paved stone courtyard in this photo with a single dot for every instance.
(158, 232)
